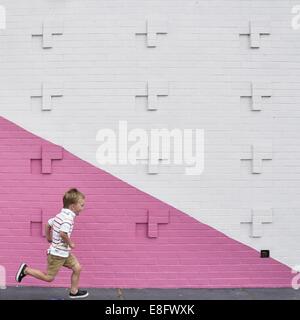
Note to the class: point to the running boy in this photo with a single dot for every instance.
(58, 232)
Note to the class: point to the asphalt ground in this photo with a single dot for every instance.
(44, 293)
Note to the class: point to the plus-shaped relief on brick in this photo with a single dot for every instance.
(152, 28)
(153, 218)
(255, 29)
(153, 90)
(46, 154)
(259, 152)
(155, 157)
(257, 218)
(47, 92)
(48, 30)
(259, 90)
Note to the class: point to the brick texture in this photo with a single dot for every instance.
(124, 237)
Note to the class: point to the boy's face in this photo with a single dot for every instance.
(78, 207)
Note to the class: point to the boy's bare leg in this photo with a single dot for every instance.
(38, 274)
(75, 278)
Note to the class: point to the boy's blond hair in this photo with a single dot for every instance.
(72, 196)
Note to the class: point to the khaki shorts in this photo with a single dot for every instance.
(55, 263)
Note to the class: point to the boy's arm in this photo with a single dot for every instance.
(67, 240)
(48, 232)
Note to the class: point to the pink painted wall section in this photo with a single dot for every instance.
(124, 238)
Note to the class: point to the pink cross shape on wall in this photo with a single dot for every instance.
(153, 218)
(47, 154)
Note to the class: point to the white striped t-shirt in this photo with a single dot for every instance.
(63, 221)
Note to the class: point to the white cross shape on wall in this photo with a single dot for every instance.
(154, 159)
(259, 152)
(255, 30)
(47, 92)
(257, 218)
(154, 27)
(154, 89)
(49, 29)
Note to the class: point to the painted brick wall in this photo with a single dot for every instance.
(97, 61)
(124, 238)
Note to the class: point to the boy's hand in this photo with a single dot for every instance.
(67, 240)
